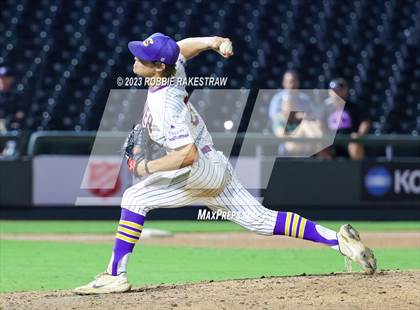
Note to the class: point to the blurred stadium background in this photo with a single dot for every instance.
(62, 58)
(66, 55)
(59, 60)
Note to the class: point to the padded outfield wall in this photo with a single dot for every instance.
(49, 187)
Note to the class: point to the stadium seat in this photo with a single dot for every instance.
(67, 57)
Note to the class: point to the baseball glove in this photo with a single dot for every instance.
(138, 146)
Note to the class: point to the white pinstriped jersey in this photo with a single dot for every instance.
(171, 119)
(173, 122)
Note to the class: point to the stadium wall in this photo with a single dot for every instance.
(16, 183)
(378, 190)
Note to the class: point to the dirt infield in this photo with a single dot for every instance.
(230, 240)
(384, 290)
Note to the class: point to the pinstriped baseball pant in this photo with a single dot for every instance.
(210, 181)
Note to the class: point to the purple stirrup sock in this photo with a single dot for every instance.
(294, 225)
(129, 230)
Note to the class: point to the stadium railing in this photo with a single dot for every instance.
(65, 142)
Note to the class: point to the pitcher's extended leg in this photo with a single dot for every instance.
(255, 217)
(294, 225)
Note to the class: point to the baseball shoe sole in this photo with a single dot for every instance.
(354, 250)
(105, 283)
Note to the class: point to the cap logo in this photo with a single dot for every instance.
(162, 58)
(148, 41)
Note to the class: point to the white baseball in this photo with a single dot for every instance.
(226, 47)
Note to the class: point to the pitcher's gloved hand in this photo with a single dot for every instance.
(140, 147)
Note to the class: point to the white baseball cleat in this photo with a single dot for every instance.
(354, 250)
(105, 283)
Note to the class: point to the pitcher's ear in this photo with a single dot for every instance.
(160, 66)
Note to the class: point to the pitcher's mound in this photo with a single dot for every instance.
(384, 290)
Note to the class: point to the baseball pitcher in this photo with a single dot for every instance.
(189, 169)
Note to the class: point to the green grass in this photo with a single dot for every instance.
(40, 265)
(175, 226)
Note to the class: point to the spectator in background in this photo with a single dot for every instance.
(11, 113)
(9, 150)
(288, 119)
(350, 122)
(288, 99)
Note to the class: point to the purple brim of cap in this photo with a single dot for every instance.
(138, 49)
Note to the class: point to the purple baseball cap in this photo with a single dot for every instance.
(157, 47)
